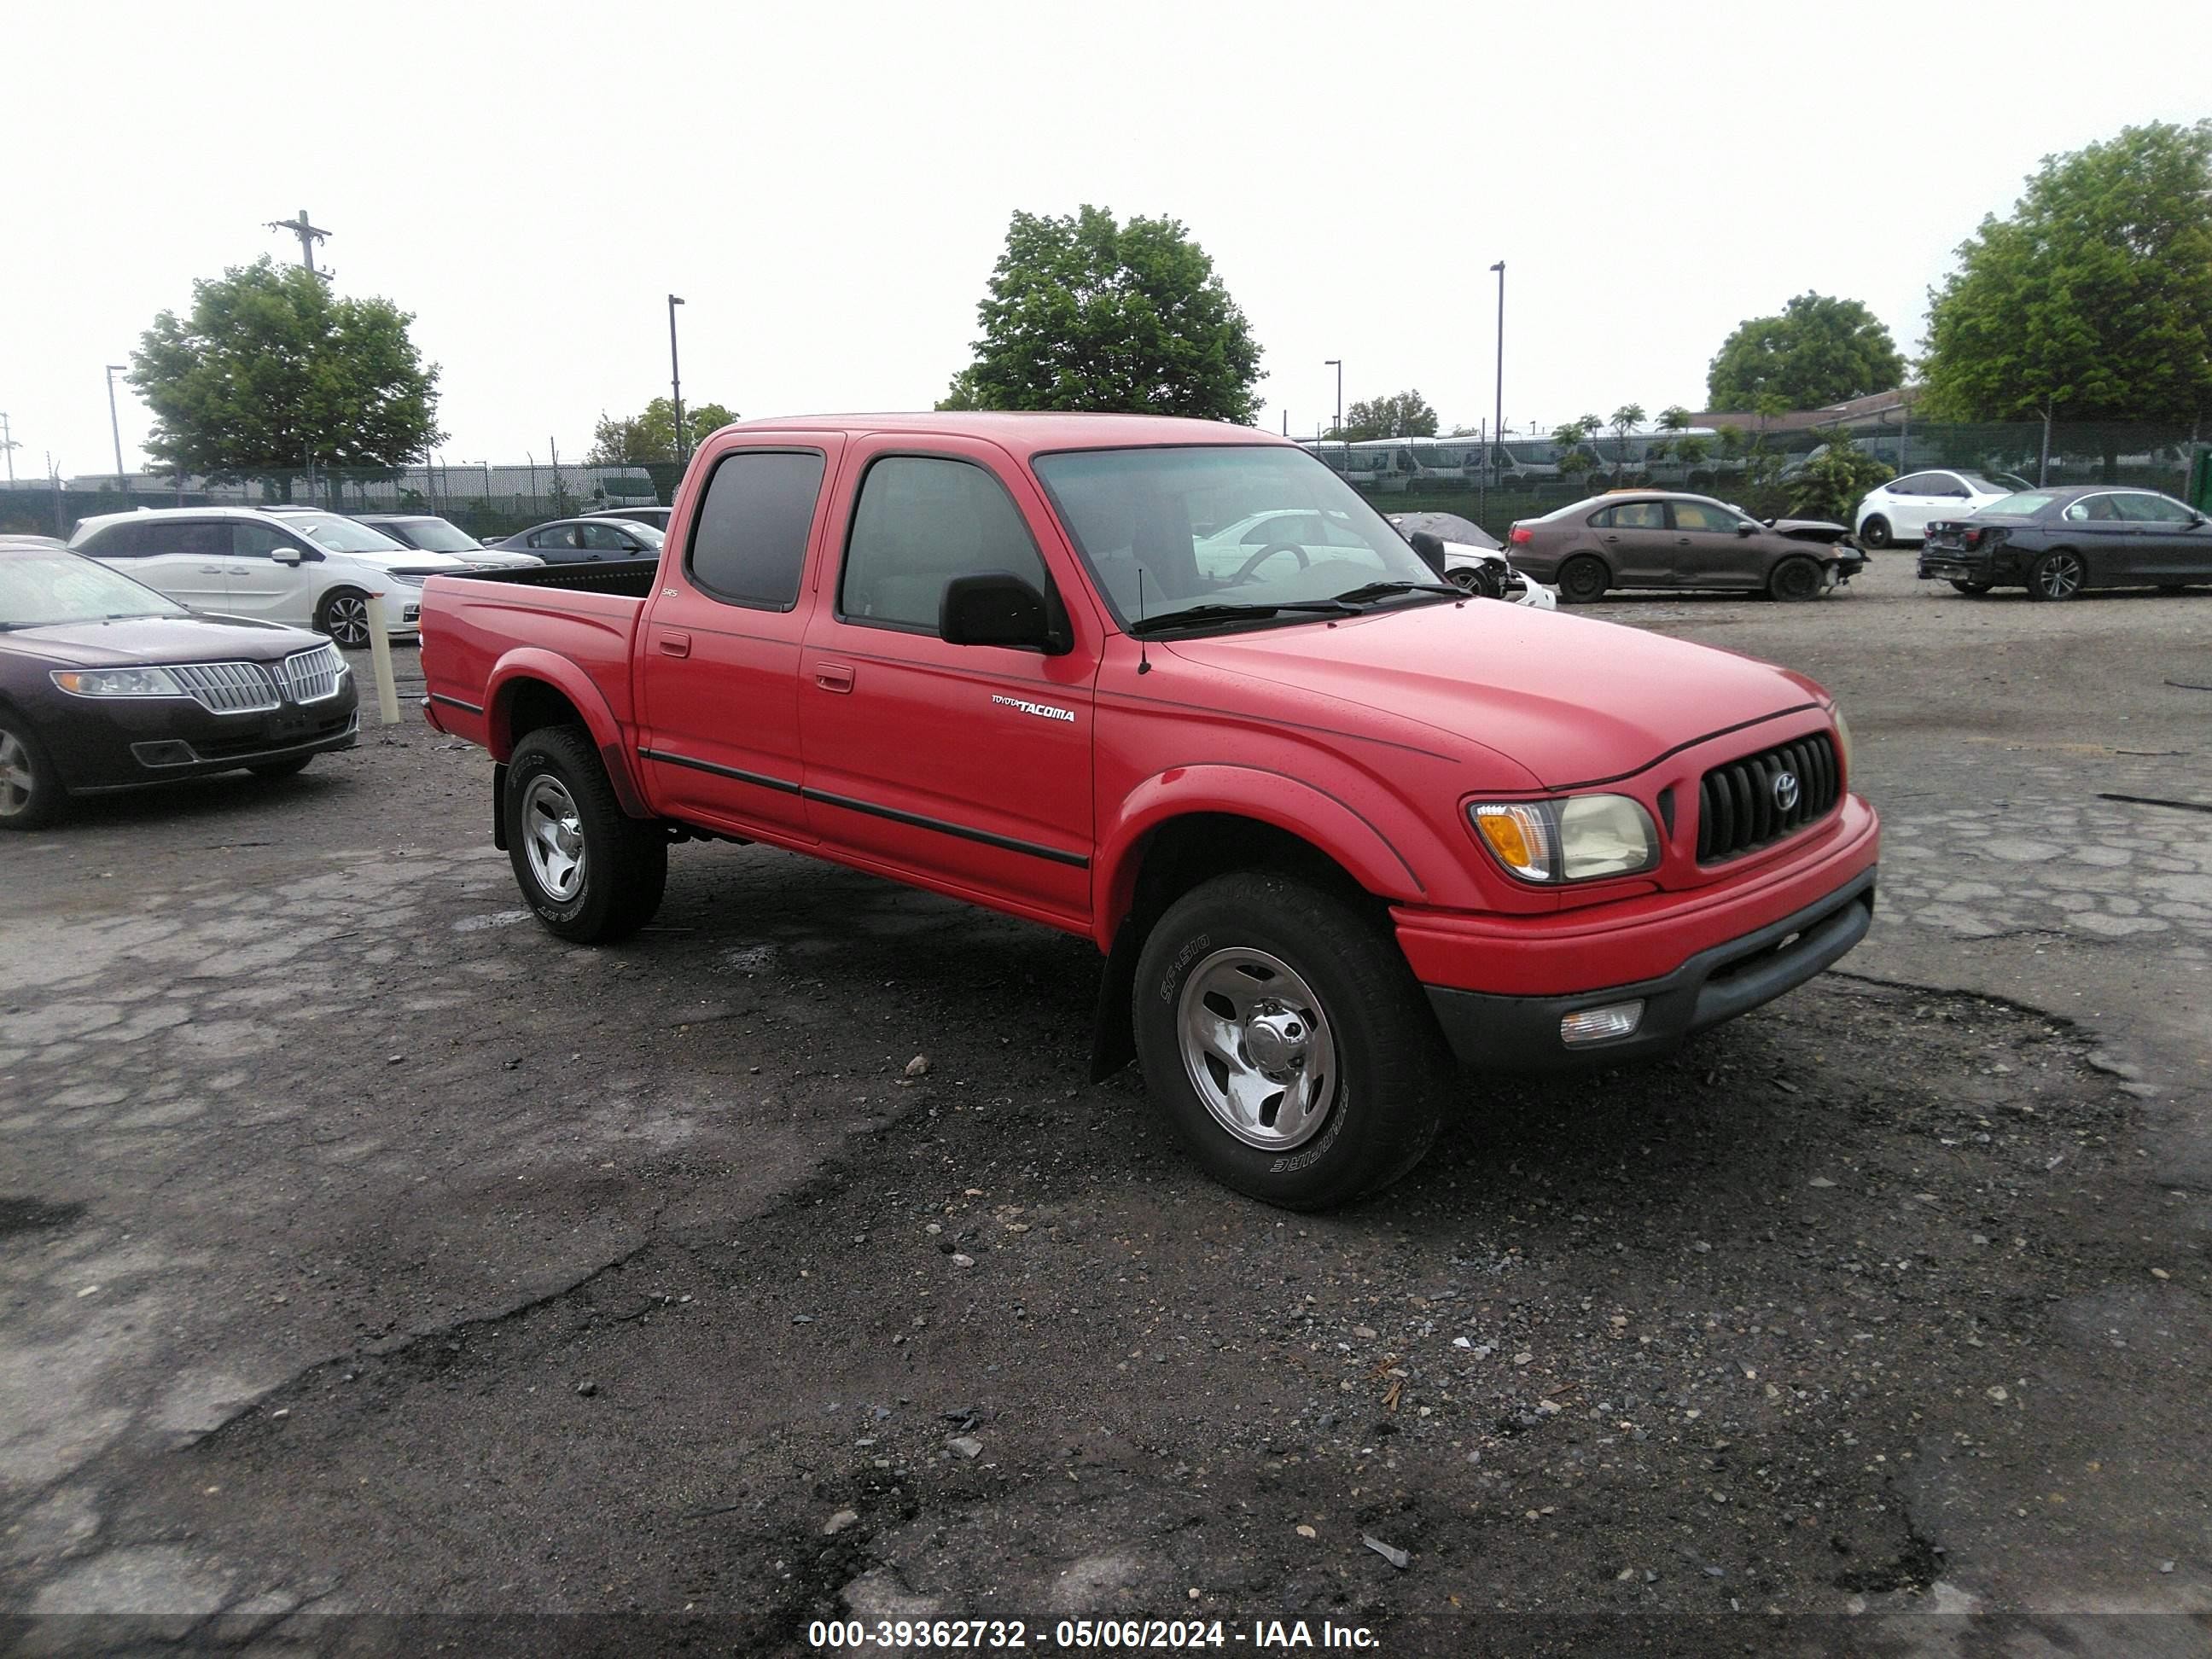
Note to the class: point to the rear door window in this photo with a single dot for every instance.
(749, 541)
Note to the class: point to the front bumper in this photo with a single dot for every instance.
(100, 746)
(1522, 1034)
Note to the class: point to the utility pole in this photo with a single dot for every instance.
(1337, 363)
(115, 426)
(1498, 409)
(308, 235)
(675, 384)
(8, 447)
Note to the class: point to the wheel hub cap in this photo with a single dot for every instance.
(1257, 1048)
(553, 838)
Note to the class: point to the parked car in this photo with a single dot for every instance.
(304, 569)
(1329, 822)
(105, 685)
(580, 541)
(1468, 556)
(1657, 539)
(437, 534)
(1900, 510)
(2056, 542)
(655, 516)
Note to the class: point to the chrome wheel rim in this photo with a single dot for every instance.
(1258, 1048)
(553, 837)
(2060, 577)
(16, 783)
(348, 620)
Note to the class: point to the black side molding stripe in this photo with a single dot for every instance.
(1054, 853)
(779, 785)
(1076, 860)
(455, 702)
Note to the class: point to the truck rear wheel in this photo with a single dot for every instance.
(591, 873)
(1285, 1039)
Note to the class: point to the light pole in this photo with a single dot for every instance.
(676, 383)
(1337, 363)
(115, 427)
(1497, 410)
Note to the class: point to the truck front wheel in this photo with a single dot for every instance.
(1285, 1039)
(591, 872)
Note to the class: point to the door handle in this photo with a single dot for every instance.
(1613, 538)
(673, 644)
(210, 570)
(833, 677)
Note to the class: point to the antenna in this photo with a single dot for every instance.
(1144, 660)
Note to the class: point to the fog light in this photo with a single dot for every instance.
(1618, 1019)
(163, 754)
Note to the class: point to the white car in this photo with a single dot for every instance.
(1901, 510)
(308, 568)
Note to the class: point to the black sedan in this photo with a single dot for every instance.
(105, 685)
(579, 541)
(2056, 542)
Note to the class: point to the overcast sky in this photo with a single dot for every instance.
(828, 185)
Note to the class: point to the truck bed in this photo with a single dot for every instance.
(582, 615)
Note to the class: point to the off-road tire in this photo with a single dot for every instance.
(1392, 1070)
(625, 859)
(45, 799)
(1583, 580)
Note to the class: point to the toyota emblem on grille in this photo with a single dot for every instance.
(1785, 790)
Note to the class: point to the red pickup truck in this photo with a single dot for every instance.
(1176, 687)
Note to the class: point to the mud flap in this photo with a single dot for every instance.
(1113, 1032)
(499, 806)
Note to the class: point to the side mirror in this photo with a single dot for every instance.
(1430, 547)
(997, 609)
(1746, 529)
(291, 555)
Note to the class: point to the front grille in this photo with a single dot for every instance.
(1738, 808)
(228, 688)
(311, 676)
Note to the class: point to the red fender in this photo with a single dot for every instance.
(1292, 805)
(530, 663)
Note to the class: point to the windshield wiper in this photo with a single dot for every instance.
(1197, 614)
(1386, 589)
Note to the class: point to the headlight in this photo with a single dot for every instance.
(1843, 743)
(117, 682)
(1582, 838)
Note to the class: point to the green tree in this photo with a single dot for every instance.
(1573, 438)
(650, 434)
(1819, 352)
(1625, 420)
(270, 370)
(1085, 312)
(2094, 300)
(1831, 484)
(1401, 414)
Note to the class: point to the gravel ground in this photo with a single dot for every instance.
(370, 1253)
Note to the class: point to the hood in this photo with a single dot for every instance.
(408, 558)
(1570, 699)
(130, 641)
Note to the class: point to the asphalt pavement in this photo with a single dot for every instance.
(380, 1272)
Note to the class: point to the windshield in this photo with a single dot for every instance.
(1215, 525)
(62, 588)
(435, 535)
(1997, 483)
(342, 535)
(2024, 505)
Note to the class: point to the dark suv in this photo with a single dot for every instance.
(1659, 539)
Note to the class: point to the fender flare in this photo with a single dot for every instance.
(1292, 805)
(533, 663)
